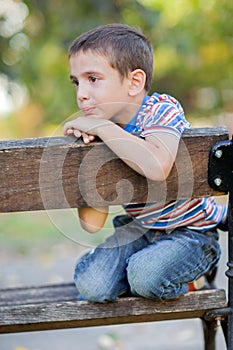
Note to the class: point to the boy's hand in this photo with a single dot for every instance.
(85, 127)
(73, 128)
(77, 133)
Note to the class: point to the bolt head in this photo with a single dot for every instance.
(217, 181)
(218, 153)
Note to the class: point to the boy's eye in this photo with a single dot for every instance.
(92, 79)
(75, 82)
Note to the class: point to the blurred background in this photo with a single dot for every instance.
(193, 49)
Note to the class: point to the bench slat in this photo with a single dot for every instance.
(54, 307)
(59, 172)
(38, 294)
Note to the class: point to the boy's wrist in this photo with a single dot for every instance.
(104, 127)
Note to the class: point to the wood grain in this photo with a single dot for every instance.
(61, 172)
(55, 307)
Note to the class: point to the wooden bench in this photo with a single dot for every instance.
(61, 172)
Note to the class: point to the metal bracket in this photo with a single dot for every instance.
(218, 313)
(220, 178)
(220, 169)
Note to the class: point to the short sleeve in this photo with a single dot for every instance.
(163, 114)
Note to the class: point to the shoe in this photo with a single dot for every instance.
(204, 282)
(199, 284)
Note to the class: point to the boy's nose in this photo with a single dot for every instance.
(82, 93)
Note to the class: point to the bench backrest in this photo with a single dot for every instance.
(61, 172)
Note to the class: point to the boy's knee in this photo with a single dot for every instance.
(149, 283)
(153, 288)
(139, 280)
(92, 284)
(90, 289)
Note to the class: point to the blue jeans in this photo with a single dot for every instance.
(150, 264)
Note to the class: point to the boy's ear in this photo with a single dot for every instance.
(137, 81)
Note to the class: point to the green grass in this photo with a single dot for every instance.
(19, 231)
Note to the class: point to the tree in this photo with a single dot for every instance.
(192, 41)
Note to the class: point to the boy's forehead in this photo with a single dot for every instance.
(88, 60)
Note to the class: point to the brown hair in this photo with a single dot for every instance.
(125, 47)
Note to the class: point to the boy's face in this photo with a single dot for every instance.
(100, 90)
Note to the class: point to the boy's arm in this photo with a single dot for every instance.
(152, 157)
(92, 219)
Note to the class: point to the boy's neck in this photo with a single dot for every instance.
(130, 111)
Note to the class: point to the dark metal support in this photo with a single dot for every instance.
(209, 329)
(229, 272)
(221, 178)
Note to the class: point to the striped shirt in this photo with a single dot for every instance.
(164, 114)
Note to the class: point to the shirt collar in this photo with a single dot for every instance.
(130, 127)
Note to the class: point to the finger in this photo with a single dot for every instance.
(77, 133)
(85, 138)
(69, 131)
(91, 137)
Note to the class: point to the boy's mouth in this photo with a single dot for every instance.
(88, 110)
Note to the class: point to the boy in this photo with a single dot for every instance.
(156, 249)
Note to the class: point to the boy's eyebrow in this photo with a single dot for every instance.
(72, 77)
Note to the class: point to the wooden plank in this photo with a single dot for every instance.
(61, 172)
(39, 311)
(38, 294)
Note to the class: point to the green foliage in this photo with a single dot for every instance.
(193, 44)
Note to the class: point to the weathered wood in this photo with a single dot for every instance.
(54, 307)
(61, 172)
(38, 294)
(53, 173)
